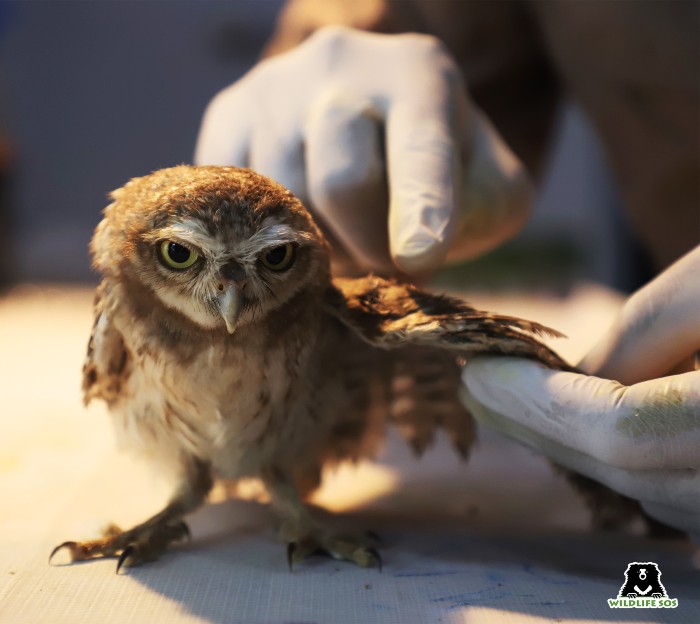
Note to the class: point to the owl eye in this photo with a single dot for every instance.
(279, 258)
(176, 256)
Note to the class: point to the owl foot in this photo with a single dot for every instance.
(357, 549)
(145, 542)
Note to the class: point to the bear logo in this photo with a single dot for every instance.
(642, 580)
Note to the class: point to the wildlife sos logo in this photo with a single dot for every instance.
(642, 589)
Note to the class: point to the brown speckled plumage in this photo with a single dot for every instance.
(230, 368)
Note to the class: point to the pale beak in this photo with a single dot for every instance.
(230, 306)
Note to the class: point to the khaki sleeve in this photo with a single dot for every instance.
(300, 18)
(635, 69)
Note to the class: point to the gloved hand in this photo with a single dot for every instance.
(642, 438)
(371, 130)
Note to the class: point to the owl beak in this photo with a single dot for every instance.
(230, 306)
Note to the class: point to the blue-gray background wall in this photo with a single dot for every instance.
(94, 93)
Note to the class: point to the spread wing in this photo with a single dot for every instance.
(423, 335)
(106, 365)
(390, 315)
(401, 317)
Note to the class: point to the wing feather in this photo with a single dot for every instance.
(389, 314)
(106, 364)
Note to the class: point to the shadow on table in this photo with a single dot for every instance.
(436, 568)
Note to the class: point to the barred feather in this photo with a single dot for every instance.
(388, 314)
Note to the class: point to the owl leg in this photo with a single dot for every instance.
(304, 537)
(148, 540)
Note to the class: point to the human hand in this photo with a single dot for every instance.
(376, 135)
(641, 438)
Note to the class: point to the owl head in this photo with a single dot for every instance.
(220, 246)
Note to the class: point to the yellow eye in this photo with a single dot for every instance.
(279, 258)
(176, 256)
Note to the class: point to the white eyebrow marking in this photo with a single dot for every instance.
(193, 232)
(269, 235)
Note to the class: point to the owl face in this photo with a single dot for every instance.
(223, 247)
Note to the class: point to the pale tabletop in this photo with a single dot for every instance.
(500, 539)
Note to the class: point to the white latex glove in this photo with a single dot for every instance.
(641, 439)
(372, 129)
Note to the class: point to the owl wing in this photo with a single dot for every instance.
(423, 335)
(106, 365)
(391, 315)
(401, 317)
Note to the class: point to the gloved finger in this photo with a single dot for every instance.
(346, 175)
(277, 151)
(657, 327)
(497, 194)
(423, 129)
(224, 134)
(670, 495)
(652, 425)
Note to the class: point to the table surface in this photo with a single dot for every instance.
(500, 539)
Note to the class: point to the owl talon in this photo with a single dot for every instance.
(186, 533)
(138, 545)
(71, 546)
(375, 558)
(126, 554)
(355, 549)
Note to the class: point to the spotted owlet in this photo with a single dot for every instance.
(223, 348)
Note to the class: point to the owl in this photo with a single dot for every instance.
(224, 349)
